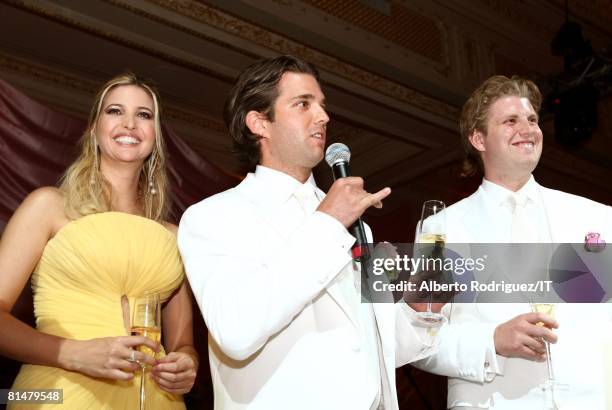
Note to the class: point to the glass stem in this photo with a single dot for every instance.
(429, 304)
(142, 388)
(551, 375)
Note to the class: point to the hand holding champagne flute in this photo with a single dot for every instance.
(146, 322)
(551, 387)
(548, 309)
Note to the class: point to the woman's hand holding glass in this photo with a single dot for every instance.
(107, 357)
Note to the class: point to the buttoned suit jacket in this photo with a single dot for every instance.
(466, 344)
(282, 332)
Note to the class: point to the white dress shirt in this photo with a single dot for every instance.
(496, 197)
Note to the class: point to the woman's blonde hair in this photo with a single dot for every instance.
(85, 189)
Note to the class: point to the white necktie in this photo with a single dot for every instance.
(522, 229)
(305, 195)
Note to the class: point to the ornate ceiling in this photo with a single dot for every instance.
(395, 73)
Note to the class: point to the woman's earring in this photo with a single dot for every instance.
(152, 189)
(92, 177)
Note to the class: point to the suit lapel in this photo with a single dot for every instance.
(567, 223)
(258, 193)
(552, 215)
(340, 291)
(252, 190)
(476, 217)
(342, 288)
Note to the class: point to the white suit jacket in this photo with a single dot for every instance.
(282, 332)
(466, 353)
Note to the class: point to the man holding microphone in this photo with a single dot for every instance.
(270, 265)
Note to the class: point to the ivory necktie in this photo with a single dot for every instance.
(305, 194)
(522, 229)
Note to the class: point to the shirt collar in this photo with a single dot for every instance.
(281, 186)
(499, 195)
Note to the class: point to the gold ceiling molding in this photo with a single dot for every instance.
(213, 17)
(127, 6)
(250, 32)
(29, 69)
(64, 18)
(403, 27)
(32, 70)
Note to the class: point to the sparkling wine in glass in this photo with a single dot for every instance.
(551, 388)
(548, 309)
(432, 233)
(146, 321)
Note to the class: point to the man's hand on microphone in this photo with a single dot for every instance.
(347, 200)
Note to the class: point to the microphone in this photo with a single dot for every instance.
(337, 157)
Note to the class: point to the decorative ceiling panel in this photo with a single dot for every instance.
(401, 26)
(277, 43)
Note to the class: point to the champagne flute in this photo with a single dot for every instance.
(550, 386)
(432, 230)
(146, 322)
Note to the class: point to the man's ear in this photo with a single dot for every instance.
(257, 123)
(477, 139)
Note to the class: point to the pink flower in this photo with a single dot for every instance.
(593, 242)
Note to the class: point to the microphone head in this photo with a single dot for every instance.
(337, 152)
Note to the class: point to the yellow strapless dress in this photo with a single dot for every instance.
(84, 271)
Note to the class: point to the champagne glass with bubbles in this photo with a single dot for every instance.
(146, 322)
(431, 233)
(551, 388)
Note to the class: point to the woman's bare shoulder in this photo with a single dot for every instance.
(48, 194)
(47, 203)
(41, 214)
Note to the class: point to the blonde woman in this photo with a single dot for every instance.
(91, 246)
